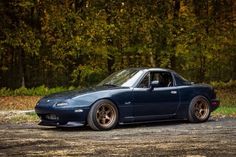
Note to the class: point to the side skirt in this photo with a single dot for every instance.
(149, 118)
(155, 121)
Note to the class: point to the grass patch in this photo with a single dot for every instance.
(225, 110)
(37, 91)
(18, 117)
(24, 118)
(227, 97)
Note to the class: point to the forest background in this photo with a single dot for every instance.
(79, 42)
(47, 46)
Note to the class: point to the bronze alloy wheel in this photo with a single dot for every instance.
(201, 109)
(105, 115)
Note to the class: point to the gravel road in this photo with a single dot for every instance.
(217, 137)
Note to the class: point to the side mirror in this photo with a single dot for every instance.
(154, 84)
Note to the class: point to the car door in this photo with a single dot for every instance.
(160, 102)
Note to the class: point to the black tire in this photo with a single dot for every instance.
(103, 115)
(199, 110)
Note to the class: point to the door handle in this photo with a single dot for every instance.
(173, 92)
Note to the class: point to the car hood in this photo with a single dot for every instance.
(82, 98)
(75, 93)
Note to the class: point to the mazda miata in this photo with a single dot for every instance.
(130, 96)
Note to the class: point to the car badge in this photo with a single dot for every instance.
(48, 100)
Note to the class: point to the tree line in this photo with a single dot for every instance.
(79, 42)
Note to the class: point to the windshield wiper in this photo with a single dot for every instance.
(109, 84)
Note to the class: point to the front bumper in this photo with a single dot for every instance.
(62, 117)
(215, 103)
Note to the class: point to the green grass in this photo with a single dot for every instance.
(227, 97)
(37, 91)
(225, 111)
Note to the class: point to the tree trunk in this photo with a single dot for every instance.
(110, 62)
(152, 61)
(21, 67)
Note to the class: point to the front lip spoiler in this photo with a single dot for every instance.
(48, 123)
(71, 124)
(57, 124)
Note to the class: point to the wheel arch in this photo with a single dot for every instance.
(106, 98)
(192, 102)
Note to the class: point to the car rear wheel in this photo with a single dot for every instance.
(199, 109)
(103, 115)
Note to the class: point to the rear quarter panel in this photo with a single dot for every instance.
(187, 93)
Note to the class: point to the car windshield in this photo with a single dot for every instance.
(122, 78)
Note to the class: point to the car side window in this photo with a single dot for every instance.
(145, 83)
(164, 79)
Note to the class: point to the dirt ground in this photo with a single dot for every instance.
(217, 137)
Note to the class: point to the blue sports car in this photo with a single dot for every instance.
(130, 96)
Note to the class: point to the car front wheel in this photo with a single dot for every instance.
(103, 115)
(199, 109)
